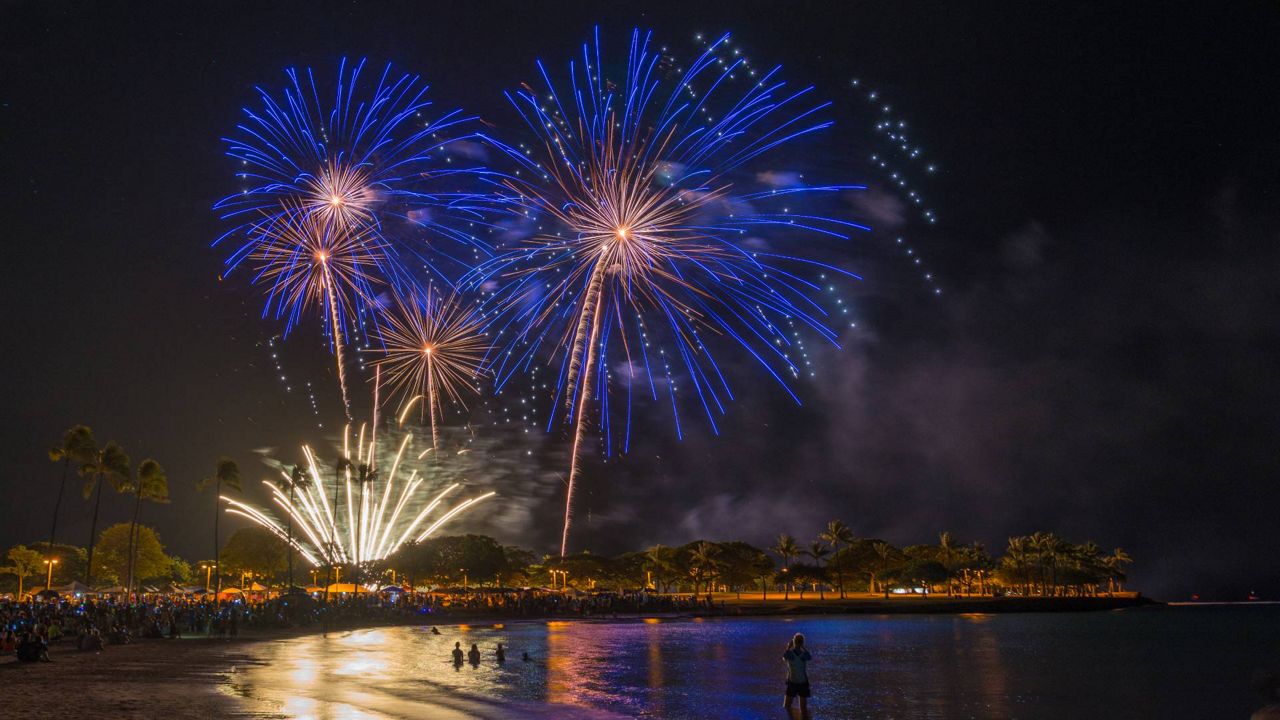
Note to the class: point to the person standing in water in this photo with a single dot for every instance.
(457, 653)
(474, 655)
(797, 658)
(501, 654)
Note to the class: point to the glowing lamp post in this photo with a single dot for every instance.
(48, 581)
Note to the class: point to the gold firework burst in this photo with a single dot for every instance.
(434, 350)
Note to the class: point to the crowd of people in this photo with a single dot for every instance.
(28, 629)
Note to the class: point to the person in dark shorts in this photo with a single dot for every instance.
(797, 658)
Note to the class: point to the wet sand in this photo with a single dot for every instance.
(200, 678)
(147, 679)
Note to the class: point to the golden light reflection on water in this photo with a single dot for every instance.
(656, 675)
(559, 687)
(654, 667)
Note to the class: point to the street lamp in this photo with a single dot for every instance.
(208, 572)
(48, 581)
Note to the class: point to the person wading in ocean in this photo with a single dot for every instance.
(797, 658)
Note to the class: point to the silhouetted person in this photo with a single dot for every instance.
(457, 653)
(797, 657)
(501, 654)
(474, 655)
(525, 657)
(435, 630)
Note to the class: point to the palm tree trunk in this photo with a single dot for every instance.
(133, 528)
(289, 545)
(93, 530)
(333, 549)
(217, 569)
(57, 505)
(839, 572)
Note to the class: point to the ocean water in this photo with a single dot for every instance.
(1171, 662)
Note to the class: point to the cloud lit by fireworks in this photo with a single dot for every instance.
(362, 507)
(651, 249)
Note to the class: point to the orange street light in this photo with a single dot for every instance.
(49, 578)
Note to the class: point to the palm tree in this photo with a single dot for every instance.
(1116, 562)
(226, 473)
(1085, 558)
(980, 564)
(883, 551)
(703, 560)
(343, 464)
(109, 464)
(149, 484)
(1038, 545)
(1018, 555)
(838, 533)
(1058, 551)
(947, 555)
(366, 476)
(788, 549)
(77, 446)
(817, 552)
(662, 562)
(296, 480)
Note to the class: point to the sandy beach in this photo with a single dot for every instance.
(147, 679)
(197, 678)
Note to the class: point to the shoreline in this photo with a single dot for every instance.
(194, 676)
(935, 604)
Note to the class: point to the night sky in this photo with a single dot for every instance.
(1102, 363)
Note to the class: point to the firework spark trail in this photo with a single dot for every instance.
(307, 260)
(651, 243)
(337, 342)
(374, 530)
(580, 419)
